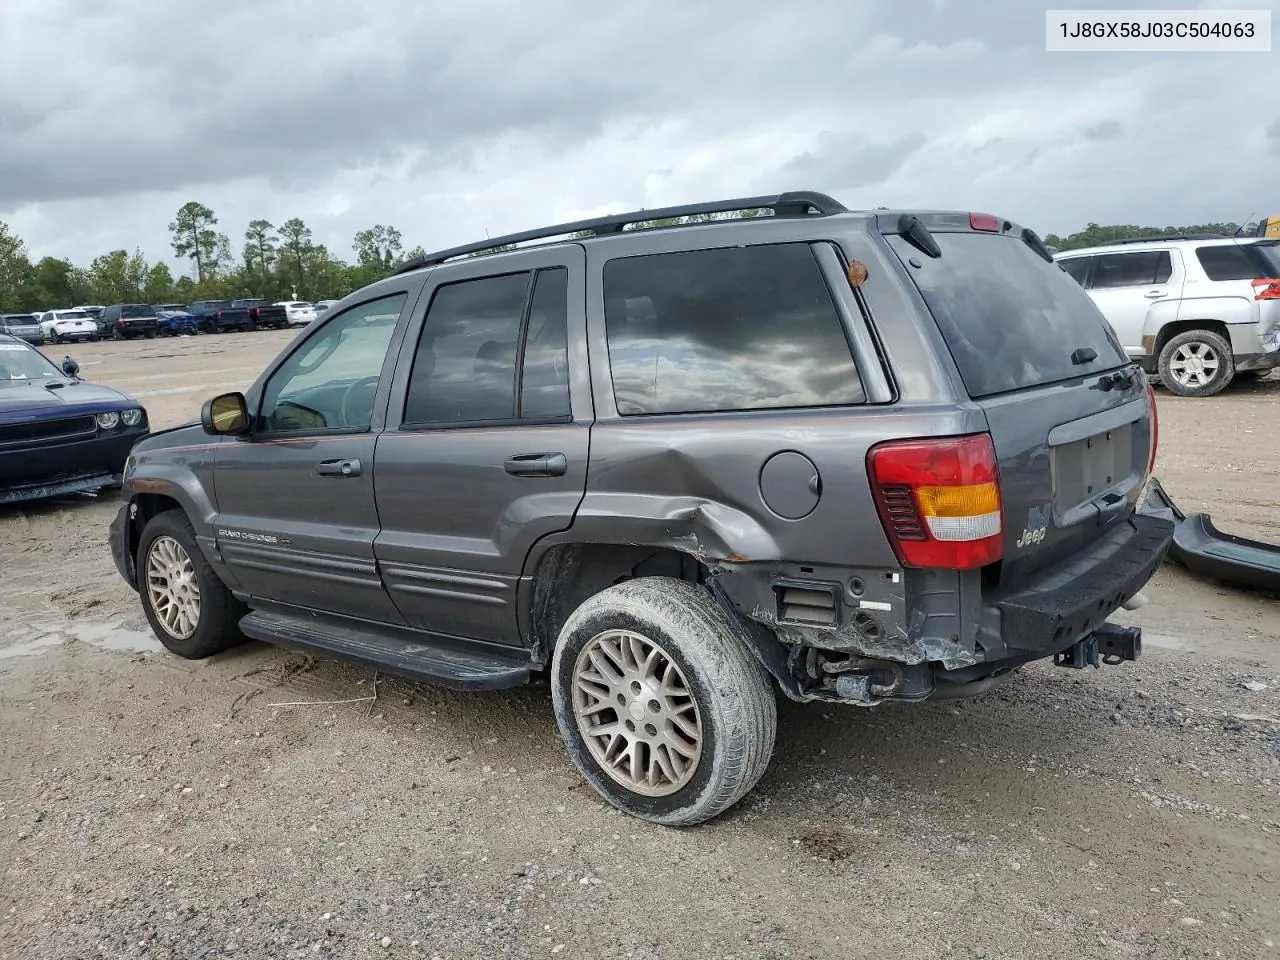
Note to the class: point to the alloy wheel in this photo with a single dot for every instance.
(636, 713)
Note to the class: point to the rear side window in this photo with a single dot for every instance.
(749, 328)
(466, 363)
(1245, 261)
(1010, 319)
(1133, 269)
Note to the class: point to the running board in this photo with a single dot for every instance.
(395, 650)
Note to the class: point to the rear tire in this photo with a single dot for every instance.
(188, 606)
(1197, 363)
(661, 706)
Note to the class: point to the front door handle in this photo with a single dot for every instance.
(537, 465)
(339, 468)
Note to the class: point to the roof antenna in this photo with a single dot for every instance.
(1242, 225)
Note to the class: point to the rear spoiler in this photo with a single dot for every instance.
(918, 229)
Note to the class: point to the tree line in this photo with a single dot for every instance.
(274, 262)
(278, 262)
(1094, 234)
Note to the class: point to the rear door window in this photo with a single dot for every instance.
(740, 328)
(1243, 261)
(493, 349)
(1010, 319)
(1132, 269)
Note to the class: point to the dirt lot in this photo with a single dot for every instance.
(152, 807)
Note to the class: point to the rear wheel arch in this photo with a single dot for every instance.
(565, 575)
(1178, 327)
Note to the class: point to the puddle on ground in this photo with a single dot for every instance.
(104, 636)
(29, 648)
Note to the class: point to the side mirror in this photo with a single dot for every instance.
(225, 415)
(71, 368)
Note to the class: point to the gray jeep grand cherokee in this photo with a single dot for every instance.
(858, 456)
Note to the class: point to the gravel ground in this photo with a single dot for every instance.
(154, 807)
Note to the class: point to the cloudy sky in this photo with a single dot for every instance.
(449, 119)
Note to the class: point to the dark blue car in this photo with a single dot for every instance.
(59, 434)
(171, 323)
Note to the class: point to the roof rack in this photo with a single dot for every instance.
(795, 204)
(1183, 236)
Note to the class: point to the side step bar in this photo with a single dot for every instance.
(407, 653)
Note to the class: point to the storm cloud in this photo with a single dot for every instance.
(449, 120)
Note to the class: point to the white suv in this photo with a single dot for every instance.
(1194, 311)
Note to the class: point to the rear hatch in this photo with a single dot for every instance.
(137, 315)
(1069, 414)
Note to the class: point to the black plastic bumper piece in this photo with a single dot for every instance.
(1208, 552)
(1075, 598)
(120, 541)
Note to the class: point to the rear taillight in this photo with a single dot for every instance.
(1266, 288)
(939, 500)
(1155, 429)
(255, 313)
(984, 221)
(218, 315)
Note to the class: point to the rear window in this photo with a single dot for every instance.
(133, 311)
(741, 328)
(72, 315)
(1244, 261)
(1010, 319)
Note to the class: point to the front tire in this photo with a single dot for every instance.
(189, 608)
(661, 706)
(1197, 363)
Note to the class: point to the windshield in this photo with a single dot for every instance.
(22, 364)
(1010, 319)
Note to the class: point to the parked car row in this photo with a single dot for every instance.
(127, 321)
(1195, 311)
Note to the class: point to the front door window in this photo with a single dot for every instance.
(330, 382)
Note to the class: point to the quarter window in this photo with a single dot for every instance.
(737, 328)
(330, 382)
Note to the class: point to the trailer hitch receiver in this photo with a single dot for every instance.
(1109, 644)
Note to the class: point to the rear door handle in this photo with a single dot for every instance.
(339, 468)
(1154, 294)
(537, 465)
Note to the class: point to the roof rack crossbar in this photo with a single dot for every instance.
(794, 204)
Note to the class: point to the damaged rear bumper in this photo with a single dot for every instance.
(1208, 552)
(954, 637)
